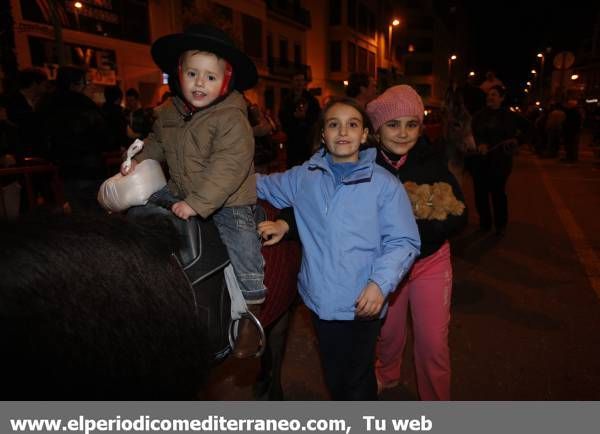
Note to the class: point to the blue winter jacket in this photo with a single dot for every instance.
(363, 229)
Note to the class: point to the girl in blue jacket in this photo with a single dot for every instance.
(359, 239)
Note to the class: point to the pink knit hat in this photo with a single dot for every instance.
(396, 101)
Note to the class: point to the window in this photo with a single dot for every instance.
(362, 59)
(223, 14)
(125, 19)
(335, 56)
(372, 25)
(363, 14)
(297, 54)
(283, 52)
(335, 12)
(252, 35)
(351, 57)
(270, 50)
(371, 64)
(418, 67)
(352, 13)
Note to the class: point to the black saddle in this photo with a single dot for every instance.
(203, 257)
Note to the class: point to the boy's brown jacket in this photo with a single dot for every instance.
(210, 157)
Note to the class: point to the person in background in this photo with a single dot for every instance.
(22, 110)
(298, 115)
(457, 138)
(139, 120)
(495, 129)
(554, 129)
(9, 137)
(262, 128)
(114, 117)
(490, 81)
(362, 87)
(438, 205)
(75, 133)
(571, 131)
(473, 96)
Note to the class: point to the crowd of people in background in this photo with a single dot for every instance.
(353, 156)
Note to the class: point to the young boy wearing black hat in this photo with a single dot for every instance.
(204, 135)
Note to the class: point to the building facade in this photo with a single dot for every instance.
(110, 37)
(326, 40)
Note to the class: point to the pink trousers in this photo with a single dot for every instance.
(428, 289)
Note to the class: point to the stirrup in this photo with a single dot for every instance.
(261, 332)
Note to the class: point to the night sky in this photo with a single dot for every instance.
(506, 35)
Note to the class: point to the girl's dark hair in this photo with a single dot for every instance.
(317, 143)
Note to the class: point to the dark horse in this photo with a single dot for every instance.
(203, 257)
(93, 308)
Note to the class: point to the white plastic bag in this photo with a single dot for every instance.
(119, 192)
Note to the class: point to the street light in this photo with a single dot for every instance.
(395, 23)
(533, 71)
(574, 77)
(451, 59)
(77, 6)
(472, 74)
(541, 76)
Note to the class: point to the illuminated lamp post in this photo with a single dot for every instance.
(451, 59)
(395, 23)
(77, 7)
(541, 76)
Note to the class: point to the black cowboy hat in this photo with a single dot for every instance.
(167, 50)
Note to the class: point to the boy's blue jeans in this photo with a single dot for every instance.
(237, 227)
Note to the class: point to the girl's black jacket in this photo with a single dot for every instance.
(426, 164)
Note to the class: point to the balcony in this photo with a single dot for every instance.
(285, 68)
(291, 10)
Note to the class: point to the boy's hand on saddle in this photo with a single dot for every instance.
(127, 170)
(272, 231)
(182, 210)
(370, 301)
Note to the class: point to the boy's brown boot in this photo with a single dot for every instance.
(249, 342)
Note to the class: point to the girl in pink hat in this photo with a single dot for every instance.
(438, 205)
